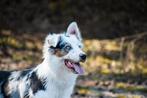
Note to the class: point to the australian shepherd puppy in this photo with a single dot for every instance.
(55, 77)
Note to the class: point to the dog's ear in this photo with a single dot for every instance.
(52, 40)
(73, 30)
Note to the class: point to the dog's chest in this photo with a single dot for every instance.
(56, 89)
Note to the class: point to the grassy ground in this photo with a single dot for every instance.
(114, 68)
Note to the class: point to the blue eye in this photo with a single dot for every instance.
(67, 48)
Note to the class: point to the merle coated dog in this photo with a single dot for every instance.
(55, 77)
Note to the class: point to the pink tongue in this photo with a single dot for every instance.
(78, 69)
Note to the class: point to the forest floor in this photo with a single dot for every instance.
(113, 68)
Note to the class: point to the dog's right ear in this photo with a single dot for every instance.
(52, 40)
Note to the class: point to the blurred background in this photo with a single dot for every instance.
(115, 38)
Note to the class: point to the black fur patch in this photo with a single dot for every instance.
(23, 73)
(5, 89)
(5, 86)
(63, 46)
(4, 75)
(4, 80)
(61, 49)
(36, 84)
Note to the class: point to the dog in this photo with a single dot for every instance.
(55, 77)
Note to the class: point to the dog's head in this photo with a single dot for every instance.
(66, 49)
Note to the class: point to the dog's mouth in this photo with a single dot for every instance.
(74, 66)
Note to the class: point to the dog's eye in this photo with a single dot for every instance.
(67, 48)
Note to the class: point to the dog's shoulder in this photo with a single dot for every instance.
(37, 83)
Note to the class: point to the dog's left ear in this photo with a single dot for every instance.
(74, 30)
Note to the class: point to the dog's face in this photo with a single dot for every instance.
(67, 48)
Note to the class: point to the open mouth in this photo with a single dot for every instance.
(74, 67)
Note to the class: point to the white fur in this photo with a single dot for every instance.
(60, 79)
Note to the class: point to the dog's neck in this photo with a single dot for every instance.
(49, 68)
(59, 82)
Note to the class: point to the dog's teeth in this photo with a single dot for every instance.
(69, 63)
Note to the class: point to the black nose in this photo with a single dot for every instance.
(83, 57)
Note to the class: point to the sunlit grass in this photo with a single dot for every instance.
(100, 56)
(99, 45)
